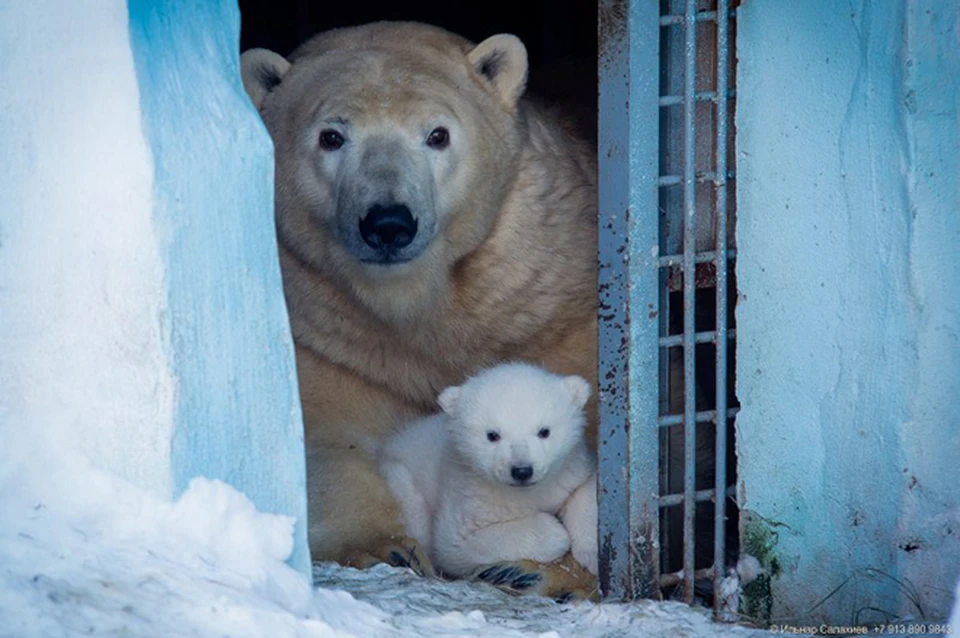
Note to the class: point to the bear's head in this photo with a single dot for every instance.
(396, 144)
(515, 423)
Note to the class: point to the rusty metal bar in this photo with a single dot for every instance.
(703, 416)
(719, 529)
(701, 177)
(708, 336)
(689, 292)
(669, 580)
(628, 245)
(700, 258)
(702, 96)
(701, 16)
(669, 500)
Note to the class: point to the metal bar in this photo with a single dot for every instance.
(702, 96)
(669, 500)
(673, 100)
(720, 511)
(689, 291)
(704, 416)
(701, 16)
(669, 580)
(700, 258)
(628, 287)
(703, 178)
(708, 336)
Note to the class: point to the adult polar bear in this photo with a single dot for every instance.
(432, 222)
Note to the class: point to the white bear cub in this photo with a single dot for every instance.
(486, 479)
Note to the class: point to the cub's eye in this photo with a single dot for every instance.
(492, 436)
(439, 138)
(330, 140)
(543, 433)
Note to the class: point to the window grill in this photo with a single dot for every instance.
(668, 518)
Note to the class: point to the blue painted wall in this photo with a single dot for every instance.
(237, 409)
(848, 361)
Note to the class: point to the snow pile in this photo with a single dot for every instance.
(439, 608)
(85, 552)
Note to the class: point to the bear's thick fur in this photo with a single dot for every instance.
(431, 223)
(485, 480)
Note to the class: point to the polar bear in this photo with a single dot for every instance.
(484, 480)
(431, 222)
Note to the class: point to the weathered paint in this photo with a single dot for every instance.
(237, 412)
(721, 371)
(628, 284)
(84, 367)
(142, 327)
(848, 361)
(690, 219)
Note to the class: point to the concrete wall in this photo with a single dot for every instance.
(848, 361)
(143, 323)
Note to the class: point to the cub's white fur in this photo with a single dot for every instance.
(485, 480)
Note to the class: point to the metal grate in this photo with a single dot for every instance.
(666, 107)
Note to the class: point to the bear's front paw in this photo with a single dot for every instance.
(403, 552)
(563, 581)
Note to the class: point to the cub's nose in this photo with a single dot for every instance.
(521, 473)
(388, 227)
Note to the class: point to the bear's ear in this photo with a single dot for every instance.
(262, 70)
(449, 399)
(502, 61)
(579, 389)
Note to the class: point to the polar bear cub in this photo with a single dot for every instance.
(502, 473)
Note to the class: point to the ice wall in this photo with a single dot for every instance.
(143, 324)
(848, 361)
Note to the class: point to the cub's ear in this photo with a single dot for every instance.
(262, 70)
(502, 61)
(579, 389)
(449, 399)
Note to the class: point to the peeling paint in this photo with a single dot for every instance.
(848, 194)
(627, 284)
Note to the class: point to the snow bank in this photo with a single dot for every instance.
(131, 563)
(107, 558)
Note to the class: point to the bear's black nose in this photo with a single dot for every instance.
(521, 473)
(388, 227)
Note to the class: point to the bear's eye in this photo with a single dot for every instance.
(331, 140)
(492, 436)
(543, 433)
(439, 138)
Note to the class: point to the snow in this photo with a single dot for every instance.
(86, 552)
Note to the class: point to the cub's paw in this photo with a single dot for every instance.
(402, 552)
(552, 539)
(564, 580)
